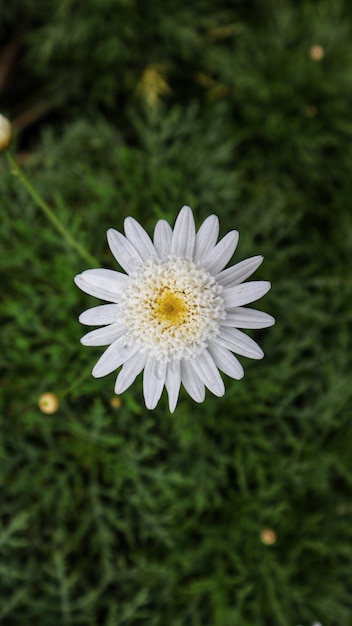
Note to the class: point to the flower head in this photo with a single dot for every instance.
(48, 403)
(176, 312)
(268, 536)
(316, 52)
(5, 133)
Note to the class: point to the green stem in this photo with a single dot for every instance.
(49, 213)
(76, 383)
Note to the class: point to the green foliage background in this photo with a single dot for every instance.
(124, 517)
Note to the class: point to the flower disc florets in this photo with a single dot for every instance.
(171, 308)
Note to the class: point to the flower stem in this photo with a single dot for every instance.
(49, 213)
(76, 383)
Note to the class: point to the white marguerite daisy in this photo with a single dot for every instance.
(176, 312)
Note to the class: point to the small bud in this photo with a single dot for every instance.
(316, 53)
(153, 85)
(115, 402)
(5, 133)
(268, 536)
(48, 403)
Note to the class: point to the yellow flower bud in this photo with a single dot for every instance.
(153, 84)
(316, 52)
(48, 403)
(268, 536)
(5, 133)
(115, 402)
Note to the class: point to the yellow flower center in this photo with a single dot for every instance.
(170, 308)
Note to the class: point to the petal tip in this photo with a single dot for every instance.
(97, 372)
(172, 405)
(129, 220)
(271, 320)
(111, 232)
(150, 405)
(186, 210)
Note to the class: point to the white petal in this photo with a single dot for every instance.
(153, 381)
(206, 238)
(219, 256)
(245, 293)
(114, 356)
(138, 237)
(241, 317)
(236, 274)
(183, 236)
(238, 342)
(173, 382)
(226, 361)
(124, 252)
(207, 371)
(104, 336)
(102, 283)
(192, 382)
(162, 238)
(130, 371)
(100, 315)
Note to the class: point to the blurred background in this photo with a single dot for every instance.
(236, 512)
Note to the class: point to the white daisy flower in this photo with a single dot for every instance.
(176, 312)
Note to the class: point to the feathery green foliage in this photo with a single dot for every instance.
(123, 516)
